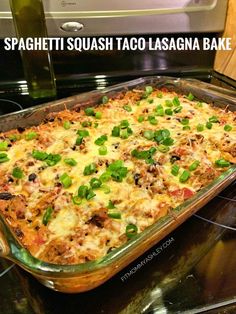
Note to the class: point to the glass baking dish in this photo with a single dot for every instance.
(83, 277)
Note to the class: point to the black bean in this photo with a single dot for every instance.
(174, 158)
(20, 129)
(6, 196)
(136, 178)
(32, 177)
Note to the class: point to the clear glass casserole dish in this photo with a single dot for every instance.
(82, 277)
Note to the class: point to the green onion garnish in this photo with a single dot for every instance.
(95, 183)
(83, 133)
(105, 176)
(213, 119)
(140, 119)
(83, 191)
(152, 120)
(200, 127)
(176, 101)
(160, 111)
(169, 112)
(114, 214)
(115, 131)
(228, 128)
(3, 146)
(178, 109)
(149, 89)
(66, 125)
(190, 96)
(101, 140)
(17, 173)
(168, 141)
(110, 205)
(86, 124)
(79, 140)
(194, 165)
(90, 169)
(186, 127)
(105, 99)
(127, 108)
(184, 121)
(131, 230)
(65, 180)
(168, 103)
(208, 125)
(89, 112)
(124, 124)
(148, 134)
(175, 170)
(98, 115)
(163, 148)
(222, 163)
(39, 155)
(159, 95)
(70, 161)
(77, 200)
(52, 159)
(47, 215)
(31, 136)
(184, 176)
(102, 150)
(3, 158)
(90, 194)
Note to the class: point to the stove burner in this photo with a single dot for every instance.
(7, 106)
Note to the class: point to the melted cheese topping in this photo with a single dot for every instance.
(40, 207)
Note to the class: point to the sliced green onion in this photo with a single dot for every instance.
(152, 120)
(114, 214)
(115, 131)
(86, 124)
(150, 101)
(168, 141)
(208, 125)
(124, 134)
(176, 101)
(160, 111)
(83, 191)
(149, 89)
(159, 95)
(178, 109)
(200, 127)
(90, 194)
(175, 170)
(101, 140)
(3, 146)
(184, 176)
(199, 104)
(184, 121)
(131, 230)
(77, 200)
(194, 165)
(168, 103)
(66, 125)
(163, 148)
(140, 119)
(124, 124)
(31, 136)
(90, 169)
(98, 115)
(65, 180)
(105, 99)
(148, 134)
(169, 112)
(39, 155)
(222, 163)
(186, 127)
(106, 189)
(190, 96)
(102, 150)
(213, 119)
(95, 183)
(70, 161)
(47, 215)
(228, 128)
(110, 205)
(17, 173)
(95, 125)
(83, 133)
(106, 176)
(3, 158)
(127, 108)
(52, 159)
(79, 140)
(89, 112)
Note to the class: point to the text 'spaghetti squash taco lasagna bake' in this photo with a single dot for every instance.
(84, 182)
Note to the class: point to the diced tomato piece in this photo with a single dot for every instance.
(184, 193)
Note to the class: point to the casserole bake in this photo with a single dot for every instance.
(142, 152)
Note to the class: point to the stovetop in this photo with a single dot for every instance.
(194, 270)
